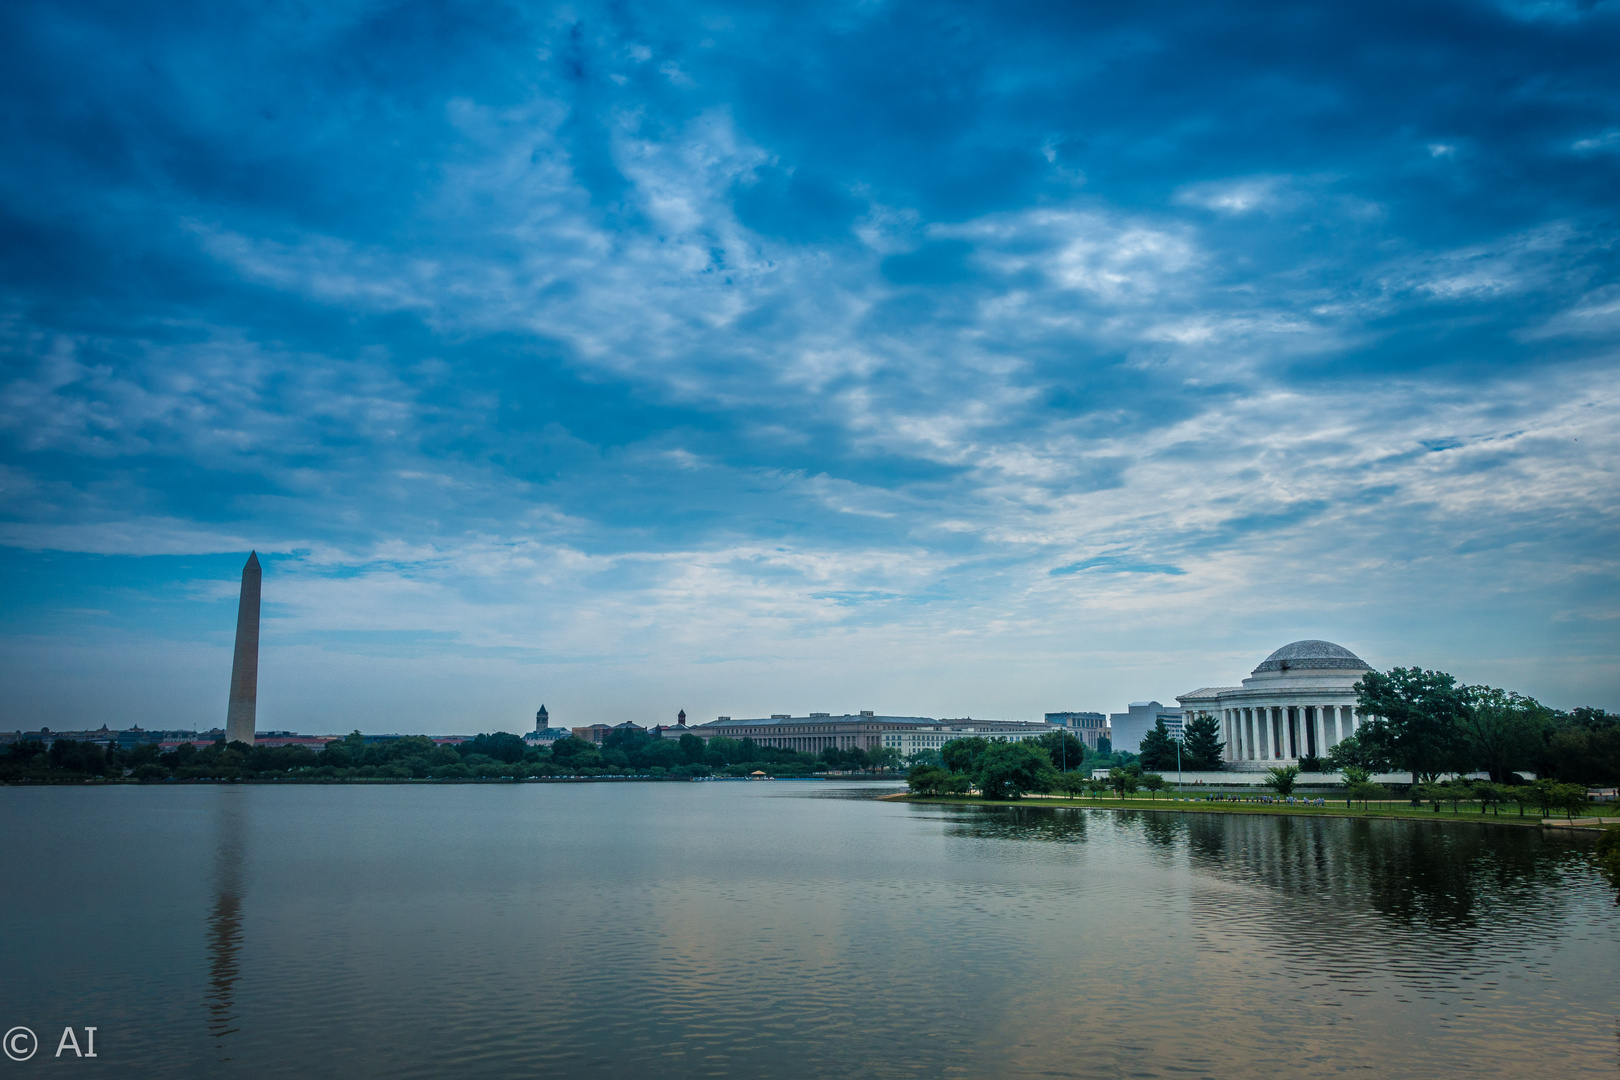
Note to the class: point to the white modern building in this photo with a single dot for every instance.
(1300, 701)
(1139, 718)
(912, 740)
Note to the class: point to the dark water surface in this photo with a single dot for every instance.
(786, 930)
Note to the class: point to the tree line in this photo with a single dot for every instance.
(1055, 762)
(1427, 724)
(487, 756)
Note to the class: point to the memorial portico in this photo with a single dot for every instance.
(1300, 702)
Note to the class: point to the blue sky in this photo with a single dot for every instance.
(944, 359)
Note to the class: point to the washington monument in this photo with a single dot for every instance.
(241, 715)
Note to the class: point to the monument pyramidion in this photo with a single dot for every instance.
(242, 713)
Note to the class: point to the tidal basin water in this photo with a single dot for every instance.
(786, 929)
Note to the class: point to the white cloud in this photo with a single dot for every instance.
(1608, 140)
(1243, 195)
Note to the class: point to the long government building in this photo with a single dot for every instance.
(816, 732)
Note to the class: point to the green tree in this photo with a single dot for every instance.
(1504, 731)
(571, 746)
(500, 745)
(1523, 794)
(927, 779)
(25, 752)
(1356, 774)
(1432, 792)
(1543, 794)
(1454, 791)
(1491, 797)
(1073, 783)
(1123, 781)
(1065, 751)
(1282, 779)
(1572, 799)
(883, 757)
(1350, 752)
(1009, 769)
(963, 755)
(1582, 747)
(692, 748)
(1201, 747)
(1154, 783)
(1416, 719)
(78, 758)
(345, 753)
(1158, 750)
(1365, 790)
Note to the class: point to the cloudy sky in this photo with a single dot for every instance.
(926, 358)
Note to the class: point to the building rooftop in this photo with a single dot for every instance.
(1313, 654)
(1209, 692)
(821, 718)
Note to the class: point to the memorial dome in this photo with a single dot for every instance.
(1313, 655)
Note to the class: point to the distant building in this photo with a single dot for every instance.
(912, 740)
(593, 733)
(865, 730)
(316, 743)
(542, 719)
(675, 730)
(1088, 727)
(1138, 719)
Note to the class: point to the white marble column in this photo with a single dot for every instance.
(1321, 732)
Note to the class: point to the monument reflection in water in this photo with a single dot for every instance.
(225, 920)
(792, 930)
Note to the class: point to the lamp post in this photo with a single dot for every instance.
(1178, 766)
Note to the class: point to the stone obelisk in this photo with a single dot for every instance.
(242, 714)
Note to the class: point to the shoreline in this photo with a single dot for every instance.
(1265, 809)
(126, 781)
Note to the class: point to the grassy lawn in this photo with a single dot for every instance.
(1609, 813)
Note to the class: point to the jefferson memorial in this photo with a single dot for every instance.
(1300, 701)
